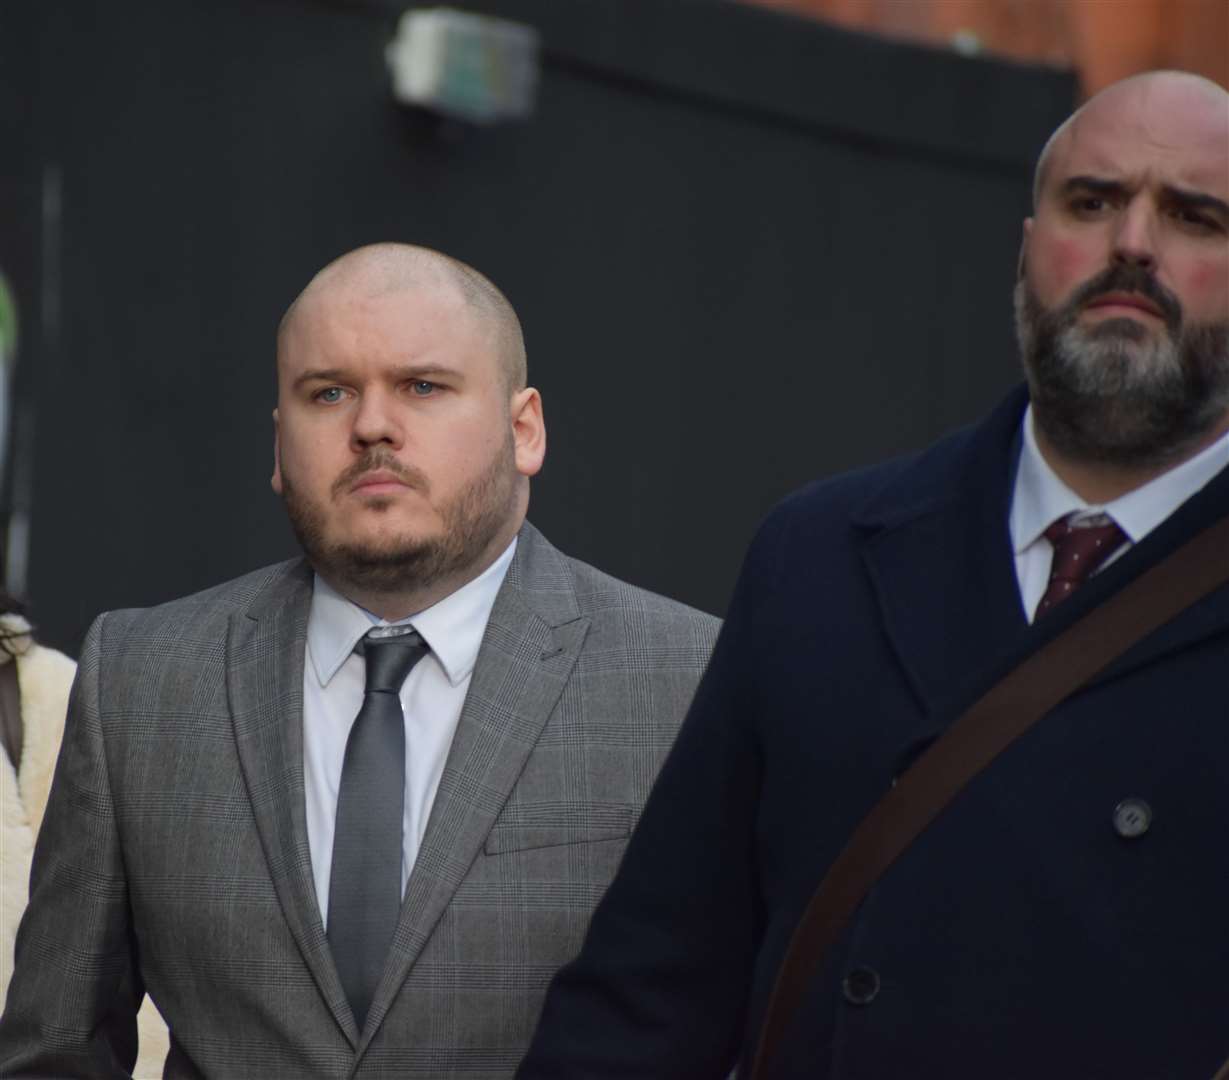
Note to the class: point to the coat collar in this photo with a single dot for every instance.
(936, 544)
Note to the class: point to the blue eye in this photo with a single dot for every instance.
(330, 395)
(422, 388)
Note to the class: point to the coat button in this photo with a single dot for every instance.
(1132, 818)
(860, 986)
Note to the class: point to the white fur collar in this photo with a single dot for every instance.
(44, 677)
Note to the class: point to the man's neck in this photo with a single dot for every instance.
(1099, 483)
(392, 605)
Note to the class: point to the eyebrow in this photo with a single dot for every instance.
(318, 375)
(1193, 200)
(1197, 200)
(1094, 184)
(400, 372)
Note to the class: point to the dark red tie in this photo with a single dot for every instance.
(1078, 550)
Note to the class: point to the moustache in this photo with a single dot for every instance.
(1129, 279)
(382, 460)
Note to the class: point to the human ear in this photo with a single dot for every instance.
(1021, 259)
(528, 431)
(276, 480)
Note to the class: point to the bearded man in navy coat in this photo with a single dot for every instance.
(1068, 915)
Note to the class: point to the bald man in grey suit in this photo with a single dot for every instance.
(193, 842)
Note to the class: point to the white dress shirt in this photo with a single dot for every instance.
(431, 698)
(1040, 497)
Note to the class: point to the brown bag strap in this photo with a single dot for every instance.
(977, 737)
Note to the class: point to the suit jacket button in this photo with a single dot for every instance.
(1132, 818)
(860, 986)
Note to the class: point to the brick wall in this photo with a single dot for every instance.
(1104, 40)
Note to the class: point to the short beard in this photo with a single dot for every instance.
(470, 523)
(1107, 394)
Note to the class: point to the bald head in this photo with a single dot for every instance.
(379, 270)
(1157, 98)
(1123, 300)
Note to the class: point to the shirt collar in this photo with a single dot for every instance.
(1040, 497)
(452, 628)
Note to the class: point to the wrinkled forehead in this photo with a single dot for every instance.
(1149, 133)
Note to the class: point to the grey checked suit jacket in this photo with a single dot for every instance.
(174, 853)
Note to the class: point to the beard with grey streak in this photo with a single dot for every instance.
(1114, 393)
(471, 520)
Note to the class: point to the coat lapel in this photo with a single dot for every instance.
(530, 646)
(936, 546)
(265, 685)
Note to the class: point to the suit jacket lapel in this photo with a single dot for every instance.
(265, 685)
(936, 545)
(530, 646)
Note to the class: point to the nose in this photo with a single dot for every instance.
(1135, 236)
(375, 421)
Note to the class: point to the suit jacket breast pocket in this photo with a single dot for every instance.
(524, 827)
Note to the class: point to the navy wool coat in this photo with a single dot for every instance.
(1022, 935)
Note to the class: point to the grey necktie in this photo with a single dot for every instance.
(365, 880)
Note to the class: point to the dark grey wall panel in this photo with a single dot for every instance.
(747, 251)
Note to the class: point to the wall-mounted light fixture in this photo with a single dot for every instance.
(466, 66)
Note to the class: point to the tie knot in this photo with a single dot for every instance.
(391, 653)
(1079, 548)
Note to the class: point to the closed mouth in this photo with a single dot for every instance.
(379, 479)
(1126, 300)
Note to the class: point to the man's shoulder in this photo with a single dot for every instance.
(963, 463)
(638, 626)
(597, 590)
(602, 596)
(831, 509)
(205, 614)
